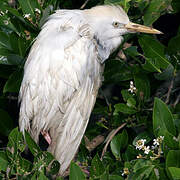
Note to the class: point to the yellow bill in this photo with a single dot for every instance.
(133, 27)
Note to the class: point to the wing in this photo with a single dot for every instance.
(61, 80)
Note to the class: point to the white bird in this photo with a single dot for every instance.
(63, 73)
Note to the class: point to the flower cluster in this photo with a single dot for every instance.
(132, 88)
(155, 151)
(140, 145)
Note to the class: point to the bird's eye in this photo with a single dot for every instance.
(116, 24)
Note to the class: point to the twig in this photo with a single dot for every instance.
(177, 100)
(82, 7)
(110, 138)
(169, 91)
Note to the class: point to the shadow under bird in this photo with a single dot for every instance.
(63, 73)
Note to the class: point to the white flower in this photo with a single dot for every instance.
(146, 149)
(132, 88)
(1, 13)
(156, 142)
(161, 138)
(140, 144)
(27, 16)
(37, 10)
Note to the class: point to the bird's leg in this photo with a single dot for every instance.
(46, 136)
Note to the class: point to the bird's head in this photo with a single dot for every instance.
(109, 23)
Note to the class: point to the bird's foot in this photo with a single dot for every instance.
(46, 136)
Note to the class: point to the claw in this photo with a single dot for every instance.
(46, 136)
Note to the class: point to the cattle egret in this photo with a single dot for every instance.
(63, 73)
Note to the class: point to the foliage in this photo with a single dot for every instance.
(140, 92)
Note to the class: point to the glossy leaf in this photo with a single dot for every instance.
(154, 51)
(151, 65)
(4, 40)
(3, 161)
(123, 108)
(143, 172)
(143, 86)
(75, 172)
(171, 142)
(97, 167)
(162, 119)
(33, 147)
(174, 45)
(14, 82)
(115, 71)
(15, 144)
(6, 123)
(126, 95)
(118, 143)
(166, 74)
(175, 173)
(154, 10)
(173, 158)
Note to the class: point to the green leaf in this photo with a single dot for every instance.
(25, 166)
(44, 160)
(6, 123)
(33, 147)
(130, 153)
(142, 169)
(154, 51)
(176, 5)
(118, 143)
(131, 102)
(123, 3)
(19, 45)
(97, 167)
(51, 163)
(4, 40)
(132, 51)
(7, 24)
(166, 74)
(16, 142)
(171, 142)
(28, 6)
(115, 72)
(162, 119)
(173, 159)
(115, 177)
(3, 161)
(126, 95)
(123, 108)
(175, 173)
(154, 10)
(143, 173)
(14, 59)
(150, 66)
(143, 86)
(14, 82)
(75, 172)
(174, 45)
(42, 176)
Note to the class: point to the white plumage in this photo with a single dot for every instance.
(63, 73)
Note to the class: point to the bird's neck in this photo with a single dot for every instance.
(104, 51)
